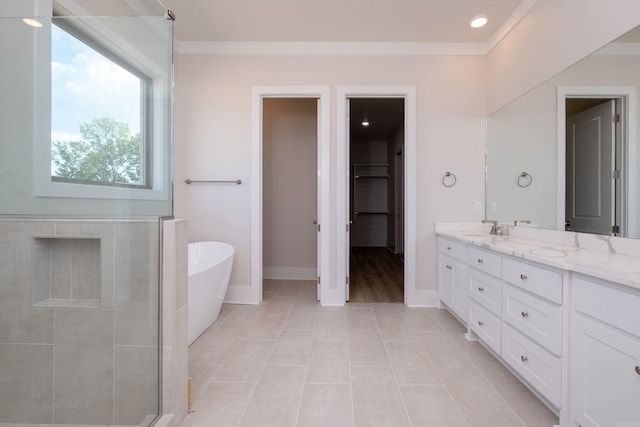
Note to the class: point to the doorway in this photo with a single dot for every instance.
(290, 189)
(320, 96)
(376, 199)
(616, 183)
(594, 165)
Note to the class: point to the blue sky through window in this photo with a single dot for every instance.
(86, 85)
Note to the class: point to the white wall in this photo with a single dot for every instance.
(551, 37)
(213, 132)
(289, 188)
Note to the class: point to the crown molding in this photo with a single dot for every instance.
(355, 48)
(329, 48)
(513, 19)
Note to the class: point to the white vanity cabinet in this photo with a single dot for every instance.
(485, 301)
(604, 385)
(533, 324)
(452, 276)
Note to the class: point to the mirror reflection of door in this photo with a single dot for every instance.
(592, 205)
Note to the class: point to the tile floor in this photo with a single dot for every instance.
(291, 362)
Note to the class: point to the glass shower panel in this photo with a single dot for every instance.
(85, 176)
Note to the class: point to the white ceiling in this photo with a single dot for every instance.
(381, 21)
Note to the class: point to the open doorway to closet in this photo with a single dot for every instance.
(376, 199)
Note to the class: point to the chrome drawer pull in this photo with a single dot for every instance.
(523, 277)
(480, 323)
(480, 289)
(448, 248)
(524, 358)
(449, 267)
(638, 370)
(525, 314)
(480, 260)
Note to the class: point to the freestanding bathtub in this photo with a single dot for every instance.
(209, 269)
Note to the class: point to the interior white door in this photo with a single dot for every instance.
(347, 234)
(319, 198)
(590, 165)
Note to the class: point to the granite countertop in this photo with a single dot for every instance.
(598, 256)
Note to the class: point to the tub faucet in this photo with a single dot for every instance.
(495, 230)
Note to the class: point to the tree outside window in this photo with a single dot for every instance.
(97, 121)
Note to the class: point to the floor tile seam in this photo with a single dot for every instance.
(455, 402)
(246, 405)
(397, 384)
(302, 390)
(264, 367)
(493, 386)
(234, 349)
(327, 382)
(350, 367)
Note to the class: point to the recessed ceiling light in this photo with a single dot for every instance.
(365, 123)
(32, 22)
(479, 21)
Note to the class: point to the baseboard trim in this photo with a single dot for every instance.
(290, 273)
(243, 295)
(423, 298)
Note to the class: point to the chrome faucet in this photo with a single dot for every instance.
(495, 230)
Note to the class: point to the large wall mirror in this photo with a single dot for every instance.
(565, 155)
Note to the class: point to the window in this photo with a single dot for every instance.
(100, 113)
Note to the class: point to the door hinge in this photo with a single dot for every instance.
(616, 118)
(615, 229)
(318, 228)
(616, 174)
(347, 280)
(318, 280)
(348, 227)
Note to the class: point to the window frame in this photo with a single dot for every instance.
(156, 128)
(146, 90)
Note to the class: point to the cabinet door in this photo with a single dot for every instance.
(605, 375)
(459, 303)
(452, 284)
(445, 279)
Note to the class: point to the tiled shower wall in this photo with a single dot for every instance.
(78, 321)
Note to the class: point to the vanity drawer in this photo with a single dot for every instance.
(535, 318)
(452, 248)
(486, 290)
(485, 324)
(545, 283)
(488, 262)
(537, 366)
(607, 304)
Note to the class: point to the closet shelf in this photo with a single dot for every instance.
(371, 176)
(371, 213)
(371, 164)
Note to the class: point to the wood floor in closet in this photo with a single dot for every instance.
(376, 275)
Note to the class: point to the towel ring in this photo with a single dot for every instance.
(449, 179)
(524, 180)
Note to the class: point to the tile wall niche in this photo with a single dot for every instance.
(78, 321)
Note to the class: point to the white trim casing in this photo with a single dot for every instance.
(411, 295)
(253, 295)
(630, 176)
